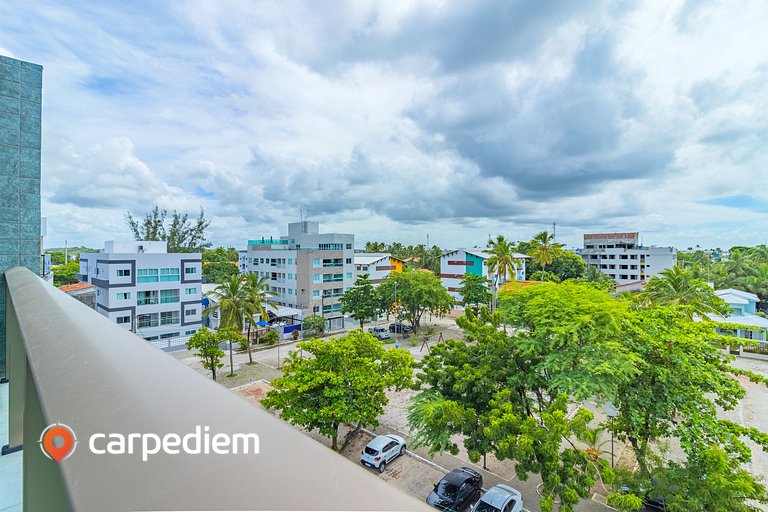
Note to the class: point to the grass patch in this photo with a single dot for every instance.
(248, 372)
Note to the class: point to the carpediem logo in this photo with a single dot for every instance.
(58, 442)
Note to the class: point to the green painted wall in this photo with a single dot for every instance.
(477, 265)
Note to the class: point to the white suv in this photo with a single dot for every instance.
(382, 450)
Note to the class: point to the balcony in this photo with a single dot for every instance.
(69, 364)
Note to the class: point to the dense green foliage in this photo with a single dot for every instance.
(345, 381)
(474, 291)
(417, 256)
(508, 394)
(313, 325)
(58, 254)
(544, 250)
(745, 268)
(218, 272)
(416, 292)
(565, 266)
(205, 344)
(182, 233)
(362, 301)
(221, 255)
(66, 274)
(679, 287)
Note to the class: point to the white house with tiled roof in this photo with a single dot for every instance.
(744, 313)
(377, 265)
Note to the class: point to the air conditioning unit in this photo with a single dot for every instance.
(141, 248)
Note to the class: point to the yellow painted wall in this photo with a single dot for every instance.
(394, 262)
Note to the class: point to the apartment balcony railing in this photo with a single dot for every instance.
(66, 363)
(145, 302)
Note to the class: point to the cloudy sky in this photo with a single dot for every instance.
(395, 120)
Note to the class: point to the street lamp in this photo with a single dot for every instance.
(397, 323)
(611, 411)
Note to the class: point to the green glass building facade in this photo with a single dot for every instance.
(21, 85)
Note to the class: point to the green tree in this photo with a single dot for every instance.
(313, 325)
(544, 250)
(182, 233)
(205, 345)
(259, 293)
(345, 380)
(507, 394)
(361, 301)
(566, 266)
(66, 274)
(218, 272)
(683, 380)
(375, 247)
(474, 291)
(544, 275)
(596, 278)
(221, 255)
(756, 280)
(502, 260)
(233, 299)
(677, 287)
(416, 292)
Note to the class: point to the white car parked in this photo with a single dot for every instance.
(500, 498)
(381, 451)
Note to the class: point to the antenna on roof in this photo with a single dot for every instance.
(301, 215)
(554, 231)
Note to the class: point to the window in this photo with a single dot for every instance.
(349, 246)
(169, 335)
(331, 247)
(190, 270)
(190, 311)
(123, 319)
(349, 260)
(123, 272)
(315, 293)
(145, 298)
(190, 291)
(290, 261)
(187, 333)
(169, 296)
(261, 260)
(147, 275)
(290, 291)
(169, 318)
(315, 309)
(315, 263)
(349, 275)
(316, 278)
(169, 274)
(124, 296)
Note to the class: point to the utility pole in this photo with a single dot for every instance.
(66, 253)
(554, 231)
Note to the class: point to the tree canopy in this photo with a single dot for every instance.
(474, 291)
(413, 293)
(361, 301)
(345, 381)
(182, 233)
(678, 287)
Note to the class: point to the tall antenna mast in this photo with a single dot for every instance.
(554, 231)
(301, 215)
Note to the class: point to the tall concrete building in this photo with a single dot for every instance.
(624, 258)
(145, 289)
(308, 270)
(21, 85)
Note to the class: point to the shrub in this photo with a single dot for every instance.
(270, 338)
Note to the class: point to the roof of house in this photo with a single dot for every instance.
(67, 288)
(750, 297)
(366, 258)
(749, 320)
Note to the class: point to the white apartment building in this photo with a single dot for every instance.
(145, 289)
(377, 265)
(624, 258)
(454, 264)
(307, 269)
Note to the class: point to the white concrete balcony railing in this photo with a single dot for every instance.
(69, 364)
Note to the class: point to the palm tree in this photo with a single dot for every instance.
(544, 250)
(233, 300)
(598, 278)
(259, 294)
(677, 287)
(759, 254)
(757, 280)
(502, 260)
(737, 263)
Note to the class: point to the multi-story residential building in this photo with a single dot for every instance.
(624, 258)
(377, 265)
(242, 261)
(454, 264)
(145, 289)
(21, 85)
(308, 270)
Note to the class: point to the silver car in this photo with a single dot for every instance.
(380, 333)
(500, 498)
(381, 451)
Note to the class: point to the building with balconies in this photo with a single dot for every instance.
(145, 289)
(307, 270)
(624, 258)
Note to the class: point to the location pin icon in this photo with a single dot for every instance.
(58, 441)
